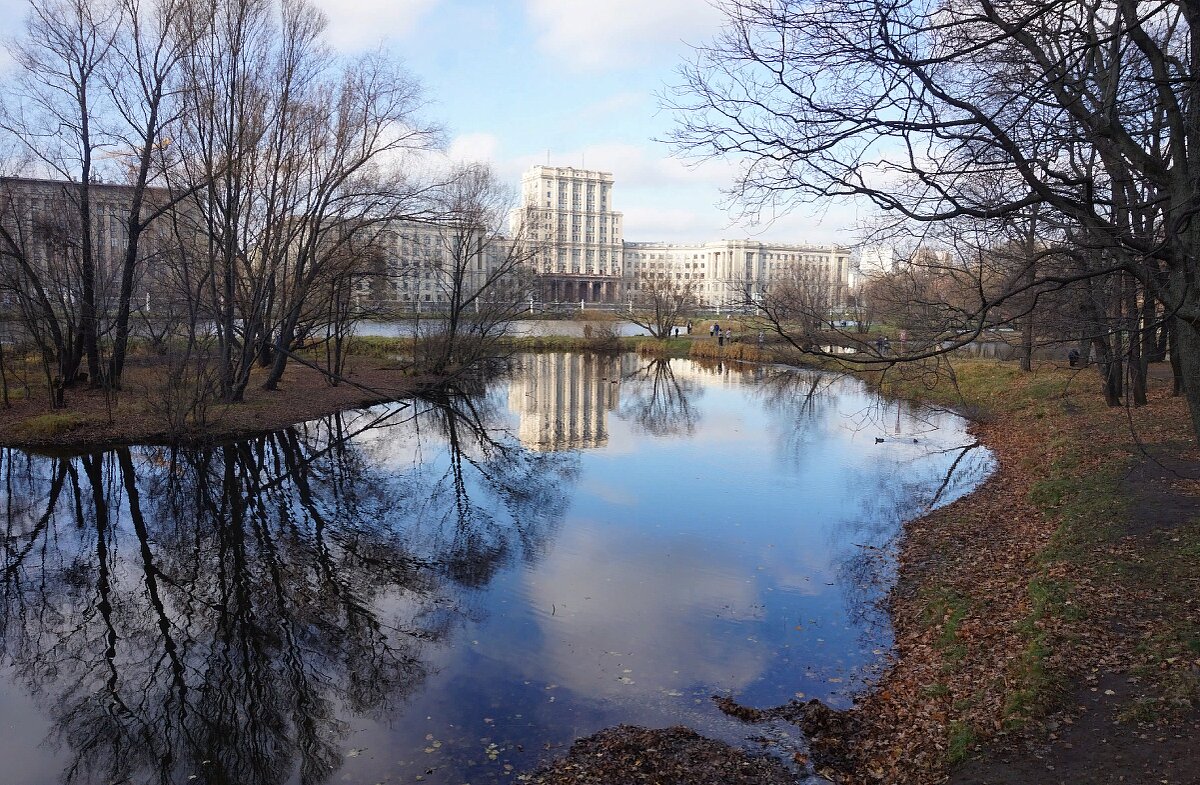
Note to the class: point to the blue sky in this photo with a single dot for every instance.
(516, 81)
(513, 81)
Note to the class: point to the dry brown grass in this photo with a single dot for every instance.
(94, 418)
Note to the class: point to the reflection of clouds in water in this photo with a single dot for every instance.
(889, 461)
(804, 572)
(736, 557)
(608, 492)
(661, 614)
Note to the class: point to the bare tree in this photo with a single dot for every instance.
(484, 278)
(154, 40)
(55, 102)
(797, 304)
(661, 300)
(301, 158)
(354, 132)
(38, 285)
(1081, 108)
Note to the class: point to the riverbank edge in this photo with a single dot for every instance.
(1031, 589)
(140, 413)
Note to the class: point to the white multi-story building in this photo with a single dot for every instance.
(420, 261)
(567, 214)
(573, 237)
(734, 272)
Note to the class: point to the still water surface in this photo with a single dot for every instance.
(525, 328)
(453, 589)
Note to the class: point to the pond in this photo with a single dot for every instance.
(450, 590)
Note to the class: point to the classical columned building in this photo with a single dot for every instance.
(572, 238)
(567, 215)
(732, 273)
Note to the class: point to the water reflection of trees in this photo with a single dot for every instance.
(493, 497)
(798, 399)
(931, 477)
(933, 468)
(218, 611)
(659, 401)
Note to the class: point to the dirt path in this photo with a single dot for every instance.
(1093, 743)
(1135, 720)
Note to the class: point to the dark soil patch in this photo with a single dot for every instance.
(1096, 746)
(672, 756)
(1162, 490)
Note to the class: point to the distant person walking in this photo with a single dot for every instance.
(720, 338)
(715, 330)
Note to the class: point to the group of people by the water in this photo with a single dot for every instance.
(721, 335)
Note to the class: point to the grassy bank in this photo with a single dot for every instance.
(1076, 559)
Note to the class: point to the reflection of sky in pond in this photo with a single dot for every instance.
(726, 537)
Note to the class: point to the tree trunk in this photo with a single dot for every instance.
(89, 320)
(116, 363)
(1173, 353)
(4, 377)
(1028, 280)
(1110, 366)
(1137, 359)
(1187, 348)
(133, 236)
(283, 344)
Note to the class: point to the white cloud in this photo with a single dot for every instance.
(635, 166)
(610, 34)
(365, 24)
(473, 148)
(619, 601)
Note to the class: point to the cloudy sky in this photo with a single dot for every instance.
(572, 82)
(569, 82)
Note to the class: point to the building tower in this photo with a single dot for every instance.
(567, 214)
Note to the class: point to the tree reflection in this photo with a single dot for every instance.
(219, 611)
(798, 399)
(493, 497)
(867, 568)
(659, 401)
(926, 465)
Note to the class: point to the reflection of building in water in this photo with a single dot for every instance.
(564, 400)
